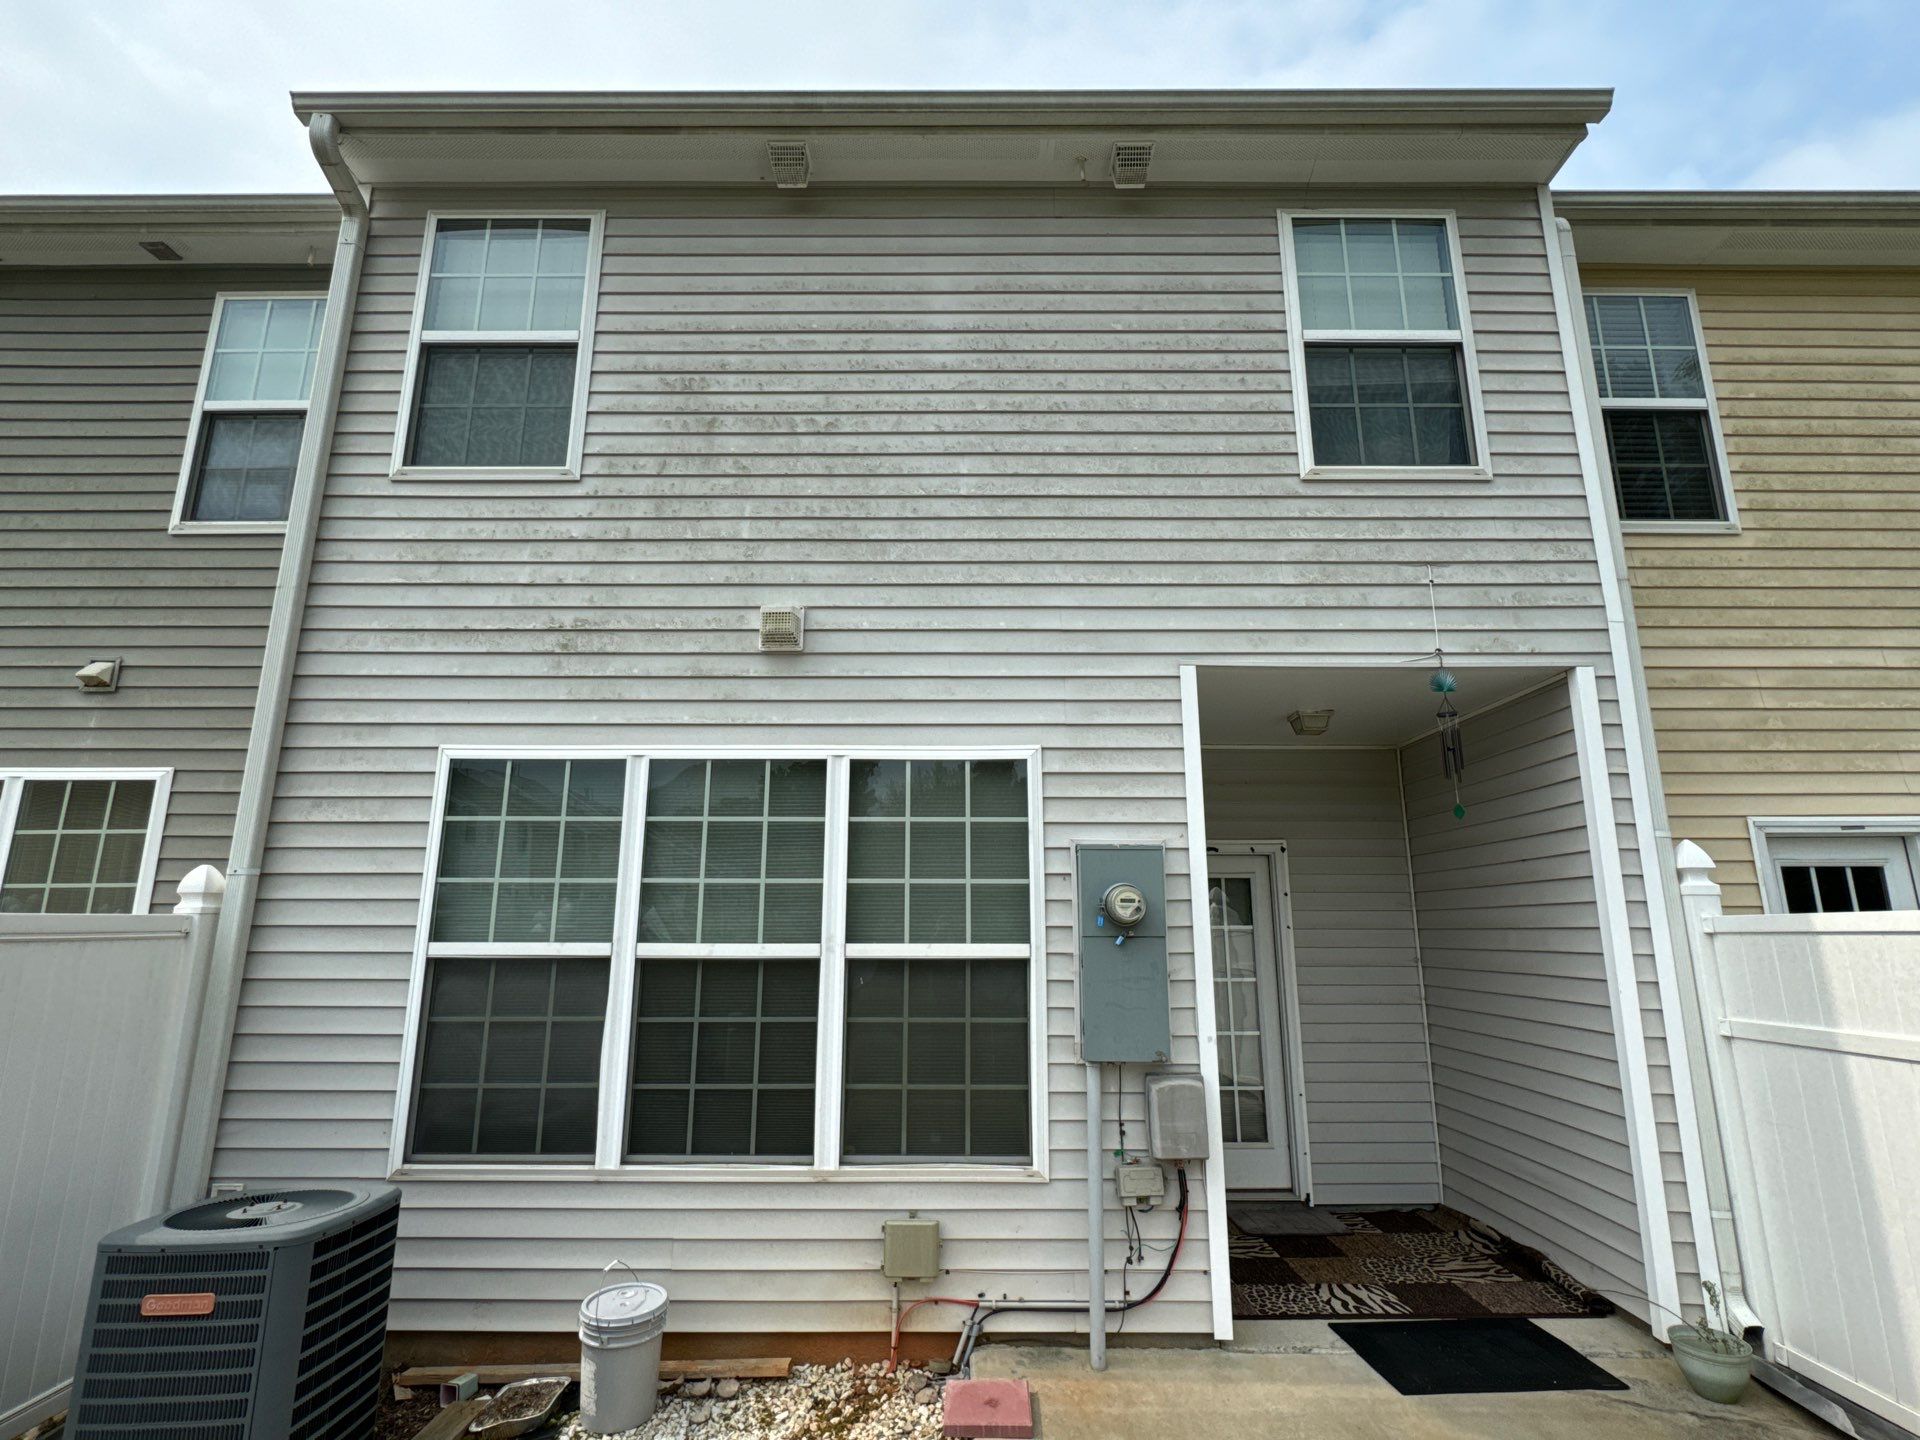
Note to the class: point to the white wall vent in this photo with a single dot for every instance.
(790, 163)
(783, 628)
(1131, 160)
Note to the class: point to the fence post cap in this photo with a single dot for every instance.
(201, 890)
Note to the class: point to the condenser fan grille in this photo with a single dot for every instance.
(254, 1212)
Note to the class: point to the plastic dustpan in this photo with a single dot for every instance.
(520, 1408)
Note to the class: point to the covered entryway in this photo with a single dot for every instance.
(1425, 1016)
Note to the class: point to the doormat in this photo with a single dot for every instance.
(1472, 1357)
(1399, 1264)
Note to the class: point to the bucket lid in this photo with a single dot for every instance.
(621, 1307)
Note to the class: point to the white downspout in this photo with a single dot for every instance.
(1648, 796)
(257, 780)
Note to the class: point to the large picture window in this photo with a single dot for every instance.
(1663, 436)
(249, 413)
(496, 371)
(1382, 351)
(727, 959)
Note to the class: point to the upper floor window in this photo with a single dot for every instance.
(249, 412)
(1381, 346)
(497, 368)
(81, 842)
(1662, 433)
(816, 960)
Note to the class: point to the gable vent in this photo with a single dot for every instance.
(1131, 160)
(783, 628)
(790, 164)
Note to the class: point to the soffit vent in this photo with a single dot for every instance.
(160, 250)
(1131, 161)
(790, 164)
(783, 628)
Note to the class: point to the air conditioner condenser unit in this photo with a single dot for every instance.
(252, 1317)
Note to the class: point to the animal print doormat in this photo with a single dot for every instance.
(1405, 1264)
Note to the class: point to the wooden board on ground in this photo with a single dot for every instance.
(453, 1420)
(422, 1377)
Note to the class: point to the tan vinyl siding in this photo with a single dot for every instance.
(97, 377)
(1783, 663)
(1362, 1022)
(1021, 456)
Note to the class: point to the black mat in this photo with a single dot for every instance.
(1471, 1357)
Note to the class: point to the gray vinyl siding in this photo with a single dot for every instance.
(1526, 1073)
(1356, 957)
(97, 376)
(1021, 456)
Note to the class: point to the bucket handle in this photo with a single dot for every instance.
(621, 1264)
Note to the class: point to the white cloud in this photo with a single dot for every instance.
(1880, 153)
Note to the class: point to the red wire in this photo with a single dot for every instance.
(893, 1351)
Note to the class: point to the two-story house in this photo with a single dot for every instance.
(749, 560)
(1756, 369)
(156, 364)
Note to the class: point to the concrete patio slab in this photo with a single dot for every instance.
(1294, 1380)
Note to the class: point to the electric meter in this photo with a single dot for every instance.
(1124, 904)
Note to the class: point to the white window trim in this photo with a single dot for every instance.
(417, 335)
(833, 951)
(1761, 830)
(1297, 340)
(13, 786)
(180, 524)
(1723, 476)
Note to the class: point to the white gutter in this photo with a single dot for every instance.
(1647, 795)
(257, 780)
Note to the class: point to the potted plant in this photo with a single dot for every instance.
(1716, 1362)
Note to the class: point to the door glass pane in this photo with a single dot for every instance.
(1238, 1011)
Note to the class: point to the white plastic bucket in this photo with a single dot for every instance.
(620, 1332)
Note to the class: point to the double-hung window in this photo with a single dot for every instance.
(1663, 434)
(1381, 346)
(249, 413)
(80, 842)
(497, 369)
(800, 960)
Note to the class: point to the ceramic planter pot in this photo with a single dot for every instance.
(1715, 1374)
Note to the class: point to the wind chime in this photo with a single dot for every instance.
(1443, 682)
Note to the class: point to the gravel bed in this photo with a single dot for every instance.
(817, 1402)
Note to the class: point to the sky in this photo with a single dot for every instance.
(105, 96)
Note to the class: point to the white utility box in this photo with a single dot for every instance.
(1176, 1116)
(1140, 1182)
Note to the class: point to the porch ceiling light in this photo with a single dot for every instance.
(1310, 722)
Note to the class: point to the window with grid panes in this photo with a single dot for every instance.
(509, 1053)
(1383, 343)
(244, 438)
(937, 1044)
(78, 847)
(499, 346)
(1648, 365)
(732, 862)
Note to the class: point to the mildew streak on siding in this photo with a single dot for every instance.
(1021, 456)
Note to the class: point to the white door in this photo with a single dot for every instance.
(1822, 874)
(1247, 998)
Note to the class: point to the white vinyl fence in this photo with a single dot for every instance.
(1813, 1029)
(99, 1019)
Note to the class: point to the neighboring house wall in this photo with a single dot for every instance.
(1362, 1024)
(1526, 1069)
(1783, 663)
(97, 376)
(1022, 455)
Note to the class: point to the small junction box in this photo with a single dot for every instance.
(1140, 1182)
(910, 1249)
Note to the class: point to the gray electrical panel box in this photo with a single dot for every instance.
(1121, 920)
